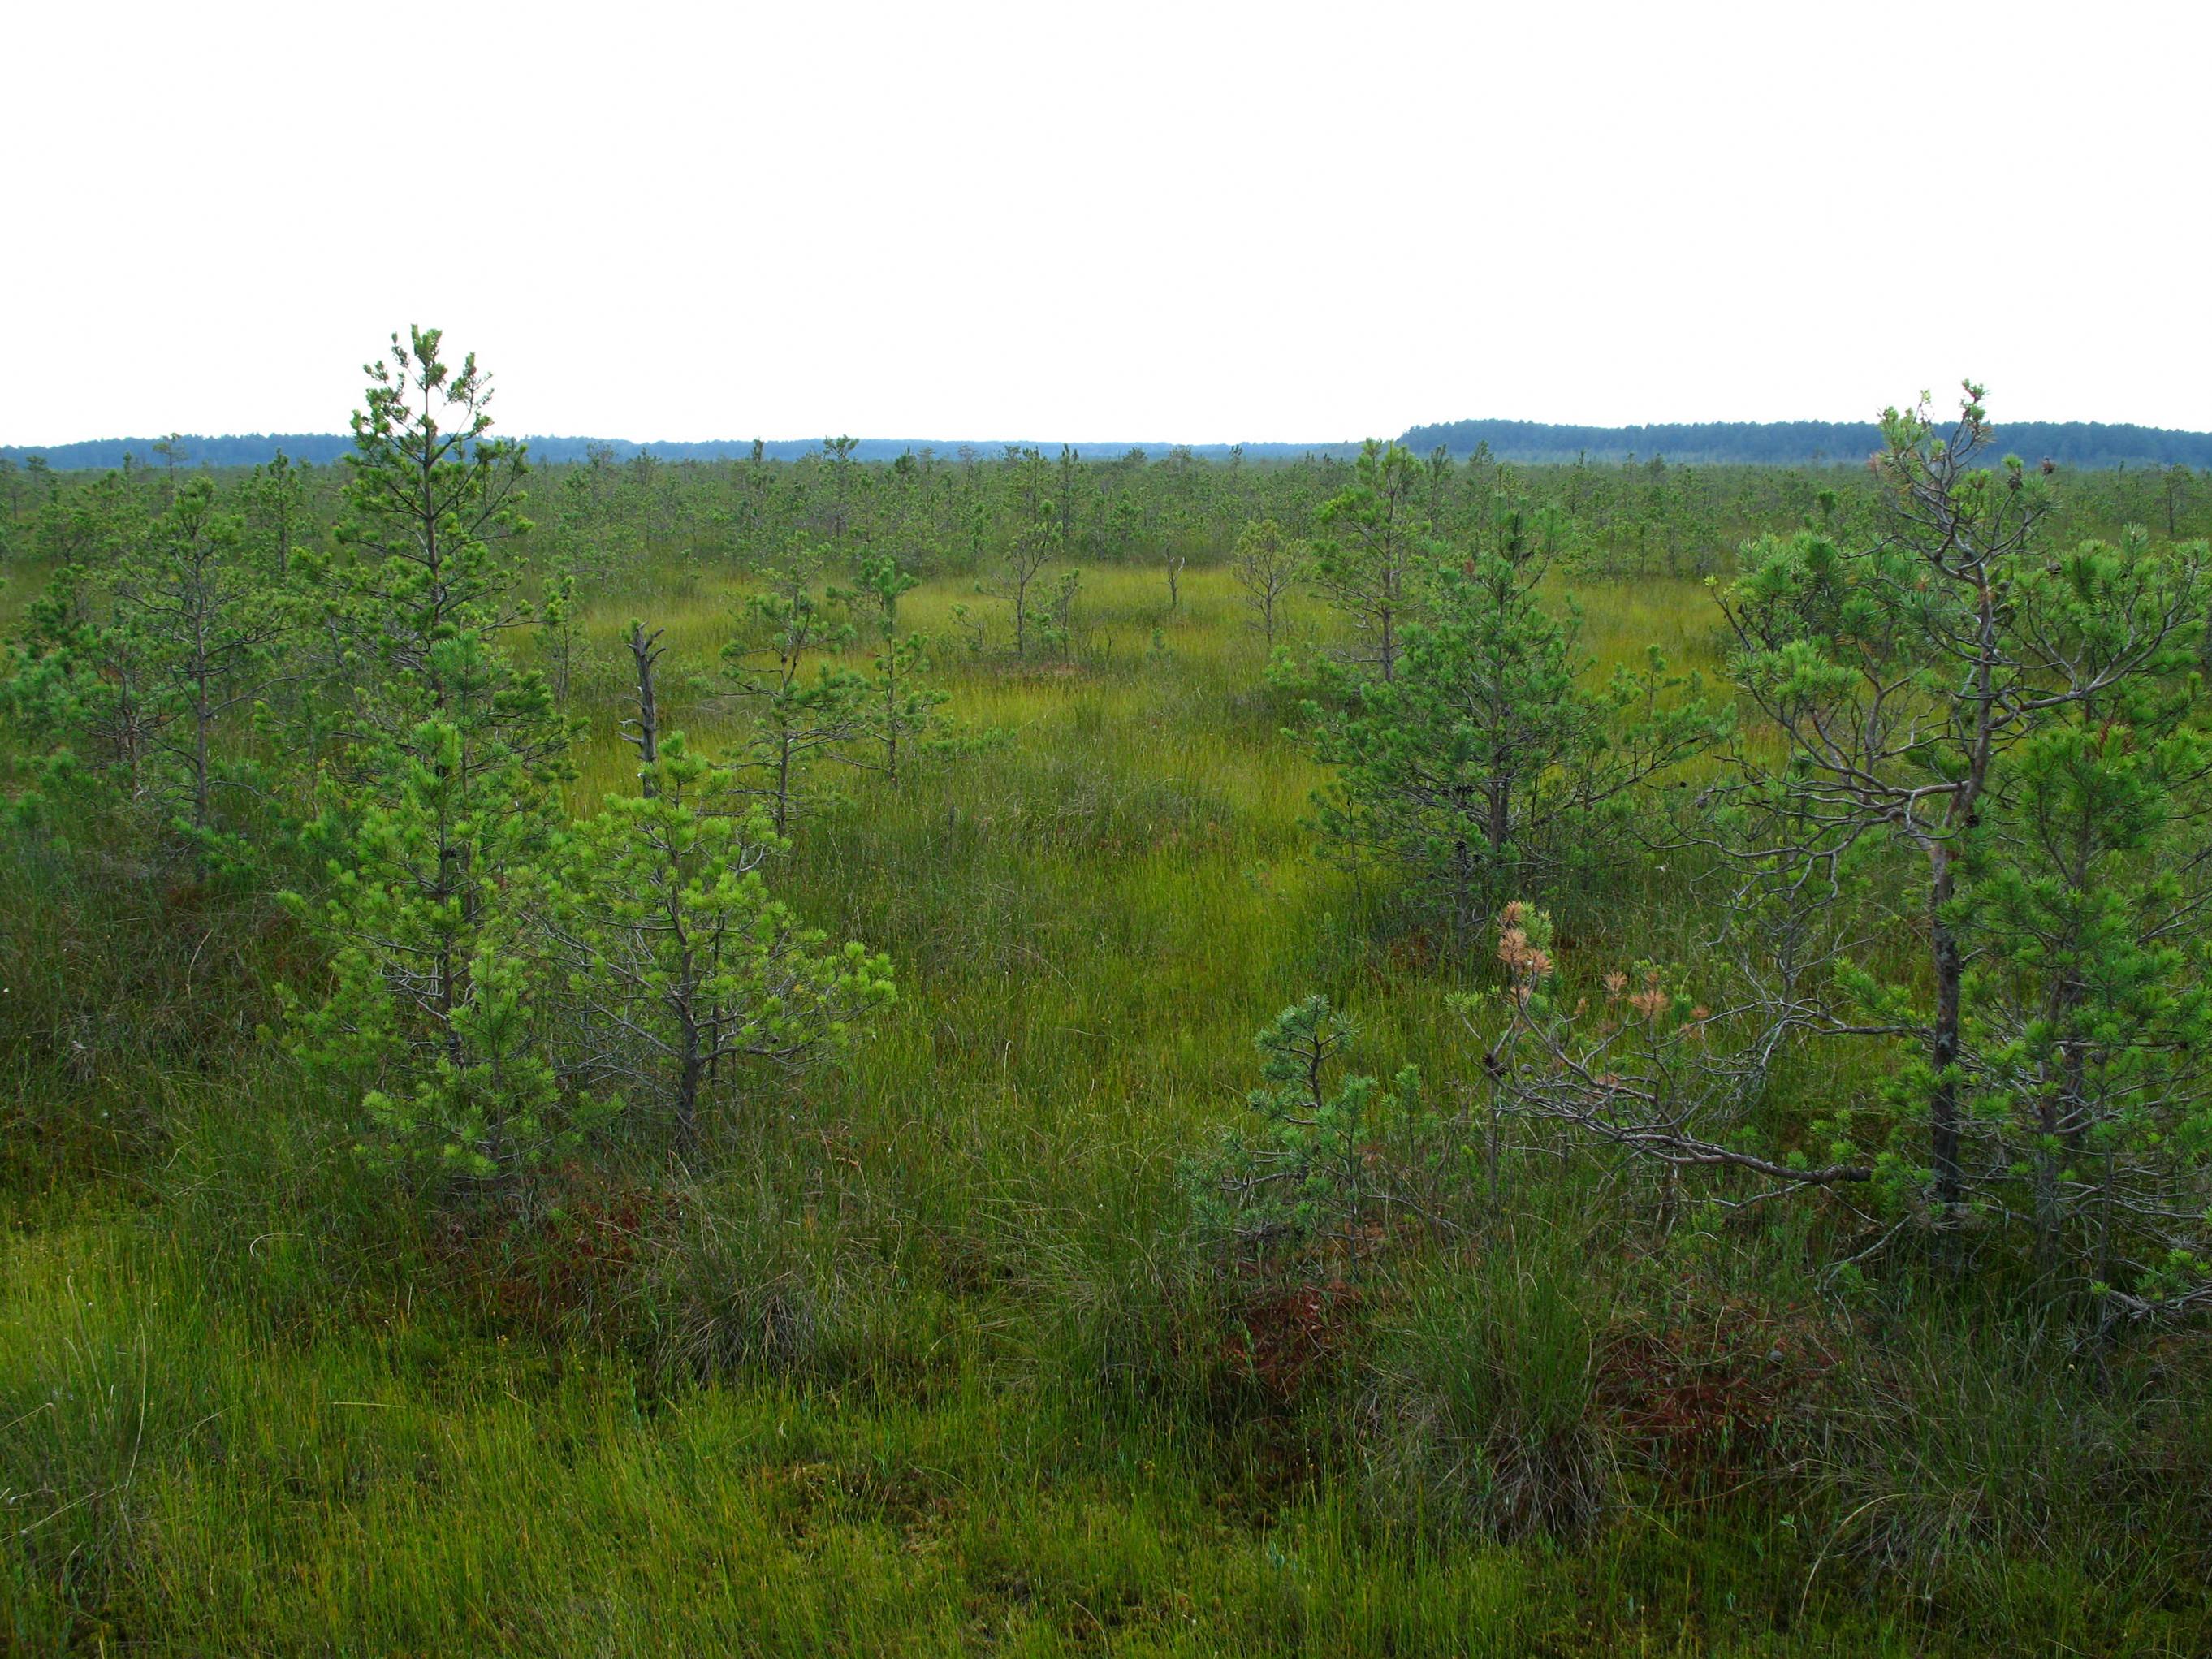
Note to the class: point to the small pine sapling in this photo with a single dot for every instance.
(678, 962)
(1486, 764)
(1370, 567)
(904, 716)
(1332, 1157)
(797, 720)
(1268, 565)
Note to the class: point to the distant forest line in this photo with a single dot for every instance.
(1799, 443)
(253, 449)
(1772, 443)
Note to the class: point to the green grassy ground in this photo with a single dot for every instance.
(919, 1363)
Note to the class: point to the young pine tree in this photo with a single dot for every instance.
(1330, 1157)
(1933, 683)
(1033, 542)
(1368, 569)
(1268, 565)
(137, 677)
(279, 520)
(905, 714)
(210, 625)
(2089, 1014)
(449, 755)
(96, 525)
(797, 720)
(586, 545)
(1487, 767)
(679, 963)
(83, 700)
(431, 1002)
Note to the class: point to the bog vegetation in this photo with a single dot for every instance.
(1127, 1055)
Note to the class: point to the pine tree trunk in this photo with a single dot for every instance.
(648, 709)
(1950, 966)
(687, 1092)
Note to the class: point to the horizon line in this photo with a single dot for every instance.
(1124, 444)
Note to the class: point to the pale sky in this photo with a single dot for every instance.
(1191, 222)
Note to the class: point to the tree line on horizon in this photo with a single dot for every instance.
(2080, 444)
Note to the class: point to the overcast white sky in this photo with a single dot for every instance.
(1191, 221)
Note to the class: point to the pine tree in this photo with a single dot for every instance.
(431, 1002)
(449, 756)
(1934, 682)
(96, 527)
(82, 697)
(137, 675)
(1315, 1166)
(428, 577)
(279, 521)
(797, 722)
(1034, 541)
(2087, 1015)
(678, 961)
(1268, 565)
(1486, 768)
(905, 714)
(210, 626)
(1369, 571)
